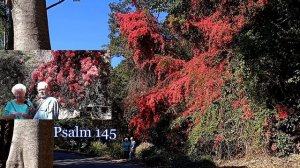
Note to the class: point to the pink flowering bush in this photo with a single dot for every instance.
(70, 74)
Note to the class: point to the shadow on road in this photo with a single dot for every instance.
(75, 160)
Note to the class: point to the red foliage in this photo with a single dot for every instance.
(218, 139)
(243, 103)
(274, 147)
(142, 34)
(196, 83)
(69, 74)
(282, 112)
(282, 115)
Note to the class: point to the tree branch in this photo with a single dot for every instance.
(51, 6)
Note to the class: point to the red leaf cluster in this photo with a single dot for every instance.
(282, 112)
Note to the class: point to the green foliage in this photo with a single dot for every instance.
(159, 131)
(117, 43)
(284, 144)
(157, 159)
(201, 137)
(178, 122)
(115, 149)
(269, 49)
(154, 157)
(239, 135)
(111, 149)
(118, 90)
(13, 70)
(97, 148)
(120, 77)
(269, 56)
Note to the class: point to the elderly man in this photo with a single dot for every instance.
(46, 107)
(132, 148)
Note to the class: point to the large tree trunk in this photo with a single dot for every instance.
(32, 145)
(30, 25)
(32, 142)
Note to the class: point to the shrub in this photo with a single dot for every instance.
(12, 71)
(156, 160)
(144, 150)
(115, 150)
(283, 144)
(98, 148)
(181, 160)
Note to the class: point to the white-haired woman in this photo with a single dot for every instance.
(18, 108)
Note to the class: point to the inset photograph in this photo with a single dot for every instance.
(45, 85)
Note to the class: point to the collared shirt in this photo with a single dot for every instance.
(47, 109)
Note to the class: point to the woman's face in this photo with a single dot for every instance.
(19, 95)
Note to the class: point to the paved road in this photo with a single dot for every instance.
(74, 160)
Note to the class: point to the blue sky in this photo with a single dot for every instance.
(79, 25)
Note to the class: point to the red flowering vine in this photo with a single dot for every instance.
(142, 34)
(195, 83)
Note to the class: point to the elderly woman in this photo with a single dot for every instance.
(18, 108)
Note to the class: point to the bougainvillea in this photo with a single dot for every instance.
(195, 83)
(69, 74)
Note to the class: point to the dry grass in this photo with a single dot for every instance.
(262, 161)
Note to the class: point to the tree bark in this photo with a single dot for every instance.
(32, 145)
(6, 132)
(30, 25)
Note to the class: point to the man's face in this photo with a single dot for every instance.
(42, 93)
